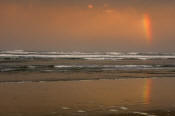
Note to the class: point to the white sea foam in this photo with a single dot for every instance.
(113, 110)
(81, 111)
(123, 108)
(63, 66)
(103, 66)
(87, 55)
(66, 108)
(142, 113)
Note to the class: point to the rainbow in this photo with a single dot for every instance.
(147, 27)
(147, 91)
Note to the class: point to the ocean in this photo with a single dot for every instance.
(117, 64)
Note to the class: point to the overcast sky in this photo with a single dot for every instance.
(87, 25)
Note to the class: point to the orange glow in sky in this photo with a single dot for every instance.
(147, 27)
(102, 24)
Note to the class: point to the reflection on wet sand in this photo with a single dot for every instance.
(147, 90)
(123, 95)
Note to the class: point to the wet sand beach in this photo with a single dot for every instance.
(94, 97)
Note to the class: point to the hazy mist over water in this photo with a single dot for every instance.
(89, 25)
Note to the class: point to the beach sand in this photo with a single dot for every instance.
(123, 97)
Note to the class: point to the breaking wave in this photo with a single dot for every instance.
(85, 55)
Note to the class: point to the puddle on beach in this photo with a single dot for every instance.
(123, 95)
